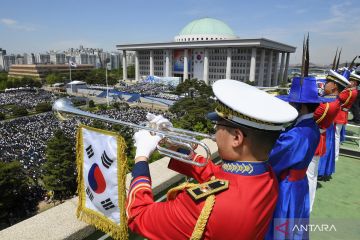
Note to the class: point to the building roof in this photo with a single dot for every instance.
(205, 29)
(207, 26)
(246, 43)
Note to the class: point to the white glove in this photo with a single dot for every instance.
(145, 143)
(158, 121)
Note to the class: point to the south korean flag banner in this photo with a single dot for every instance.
(102, 167)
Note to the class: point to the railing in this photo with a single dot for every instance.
(354, 137)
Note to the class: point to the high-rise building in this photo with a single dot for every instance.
(92, 59)
(19, 59)
(41, 58)
(8, 61)
(2, 54)
(57, 58)
(115, 60)
(82, 58)
(29, 58)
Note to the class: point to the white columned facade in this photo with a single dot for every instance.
(167, 63)
(261, 68)
(206, 66)
(276, 70)
(228, 64)
(281, 73)
(137, 70)
(186, 64)
(269, 70)
(285, 77)
(124, 65)
(252, 65)
(151, 62)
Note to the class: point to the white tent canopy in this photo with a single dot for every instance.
(77, 83)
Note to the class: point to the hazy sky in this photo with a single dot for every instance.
(42, 25)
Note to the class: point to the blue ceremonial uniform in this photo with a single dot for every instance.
(290, 158)
(327, 162)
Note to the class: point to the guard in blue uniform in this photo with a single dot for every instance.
(290, 158)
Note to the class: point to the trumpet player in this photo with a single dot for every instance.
(233, 200)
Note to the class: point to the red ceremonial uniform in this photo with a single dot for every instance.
(243, 211)
(347, 98)
(324, 116)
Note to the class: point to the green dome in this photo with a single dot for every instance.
(208, 26)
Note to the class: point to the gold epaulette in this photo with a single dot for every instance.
(203, 190)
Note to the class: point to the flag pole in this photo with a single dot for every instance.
(107, 60)
(70, 75)
(70, 69)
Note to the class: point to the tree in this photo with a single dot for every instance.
(60, 168)
(2, 116)
(102, 106)
(91, 104)
(199, 86)
(53, 78)
(19, 111)
(192, 113)
(43, 107)
(14, 194)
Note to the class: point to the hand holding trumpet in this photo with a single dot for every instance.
(146, 141)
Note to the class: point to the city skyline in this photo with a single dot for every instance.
(62, 25)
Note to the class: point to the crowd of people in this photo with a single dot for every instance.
(25, 138)
(28, 99)
(150, 89)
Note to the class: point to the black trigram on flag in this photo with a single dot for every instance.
(106, 161)
(89, 151)
(89, 193)
(107, 204)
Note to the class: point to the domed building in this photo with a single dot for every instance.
(205, 29)
(208, 49)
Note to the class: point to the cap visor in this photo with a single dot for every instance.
(213, 116)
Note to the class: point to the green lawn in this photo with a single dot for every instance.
(337, 202)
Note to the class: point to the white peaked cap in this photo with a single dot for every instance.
(334, 76)
(250, 106)
(354, 76)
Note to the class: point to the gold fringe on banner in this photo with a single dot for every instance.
(92, 217)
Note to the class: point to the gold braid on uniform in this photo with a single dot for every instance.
(348, 99)
(203, 218)
(225, 112)
(324, 114)
(205, 212)
(172, 193)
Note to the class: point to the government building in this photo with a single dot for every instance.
(208, 49)
(40, 71)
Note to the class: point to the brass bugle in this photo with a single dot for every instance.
(173, 136)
